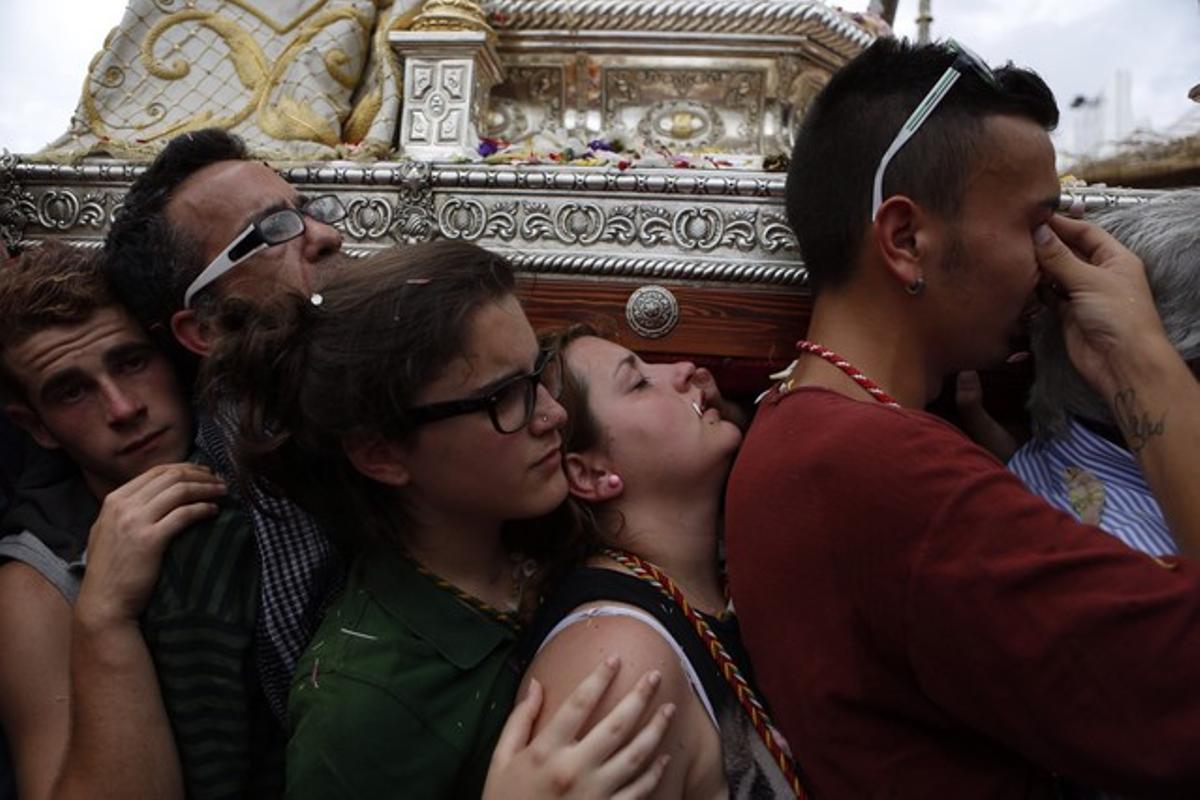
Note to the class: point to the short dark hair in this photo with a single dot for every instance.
(47, 285)
(853, 120)
(150, 263)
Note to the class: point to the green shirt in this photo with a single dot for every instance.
(401, 693)
(200, 628)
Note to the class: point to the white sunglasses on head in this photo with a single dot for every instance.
(275, 228)
(965, 60)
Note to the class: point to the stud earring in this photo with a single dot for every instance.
(614, 481)
(916, 287)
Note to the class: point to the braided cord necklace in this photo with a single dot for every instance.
(725, 663)
(872, 388)
(506, 618)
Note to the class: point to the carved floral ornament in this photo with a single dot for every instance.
(704, 229)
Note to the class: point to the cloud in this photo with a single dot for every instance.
(1079, 45)
(45, 49)
(1076, 45)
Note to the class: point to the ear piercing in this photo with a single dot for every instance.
(614, 481)
(916, 287)
(696, 407)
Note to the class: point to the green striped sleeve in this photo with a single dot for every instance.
(200, 629)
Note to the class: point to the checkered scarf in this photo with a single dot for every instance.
(301, 570)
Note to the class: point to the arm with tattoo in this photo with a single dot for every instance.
(1116, 342)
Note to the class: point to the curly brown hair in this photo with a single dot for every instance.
(305, 379)
(47, 285)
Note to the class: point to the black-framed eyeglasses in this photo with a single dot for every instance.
(510, 405)
(965, 61)
(275, 228)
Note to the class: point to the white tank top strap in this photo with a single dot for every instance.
(584, 614)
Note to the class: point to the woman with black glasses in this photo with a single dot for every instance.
(410, 409)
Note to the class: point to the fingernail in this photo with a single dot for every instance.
(668, 710)
(1043, 235)
(654, 677)
(612, 661)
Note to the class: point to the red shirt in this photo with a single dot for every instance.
(924, 627)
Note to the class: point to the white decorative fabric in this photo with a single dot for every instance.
(298, 80)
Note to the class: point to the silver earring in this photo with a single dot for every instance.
(545, 417)
(916, 287)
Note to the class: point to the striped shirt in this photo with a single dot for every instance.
(200, 628)
(1129, 510)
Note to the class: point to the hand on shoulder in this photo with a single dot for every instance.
(129, 537)
(613, 759)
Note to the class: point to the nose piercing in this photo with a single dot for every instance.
(545, 417)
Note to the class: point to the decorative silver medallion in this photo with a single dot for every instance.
(652, 311)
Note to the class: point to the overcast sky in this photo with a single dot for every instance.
(1077, 45)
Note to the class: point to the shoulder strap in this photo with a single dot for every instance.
(592, 584)
(689, 671)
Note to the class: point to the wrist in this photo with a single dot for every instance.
(94, 617)
(1143, 362)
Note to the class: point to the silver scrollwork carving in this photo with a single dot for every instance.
(502, 220)
(579, 223)
(813, 20)
(12, 218)
(368, 217)
(776, 234)
(652, 311)
(698, 228)
(63, 210)
(462, 219)
(656, 226)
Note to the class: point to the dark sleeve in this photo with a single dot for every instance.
(200, 630)
(1046, 634)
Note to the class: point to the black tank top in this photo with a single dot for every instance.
(749, 769)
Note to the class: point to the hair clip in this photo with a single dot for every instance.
(417, 281)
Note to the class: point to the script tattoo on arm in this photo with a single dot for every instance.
(1135, 422)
